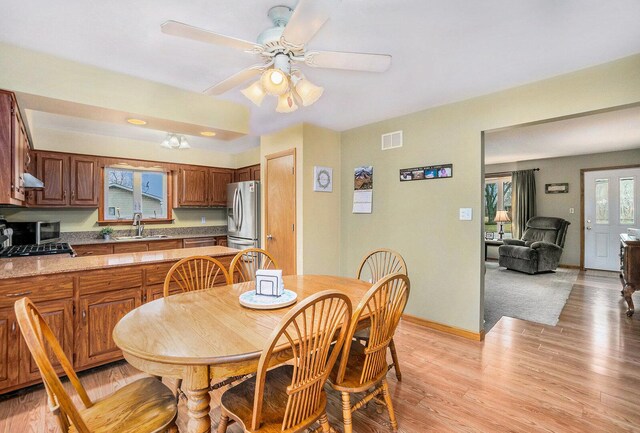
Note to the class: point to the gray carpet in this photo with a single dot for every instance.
(537, 298)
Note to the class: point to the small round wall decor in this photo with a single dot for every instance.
(322, 179)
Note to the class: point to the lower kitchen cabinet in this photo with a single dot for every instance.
(9, 356)
(59, 317)
(96, 317)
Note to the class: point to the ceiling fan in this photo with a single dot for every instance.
(282, 47)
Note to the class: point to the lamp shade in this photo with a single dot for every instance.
(274, 82)
(286, 103)
(501, 217)
(309, 92)
(255, 93)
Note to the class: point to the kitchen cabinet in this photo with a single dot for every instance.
(9, 355)
(221, 241)
(169, 244)
(59, 316)
(98, 314)
(132, 247)
(242, 174)
(53, 170)
(14, 151)
(192, 186)
(219, 178)
(69, 180)
(255, 172)
(84, 184)
(199, 242)
(93, 250)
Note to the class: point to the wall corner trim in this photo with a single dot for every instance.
(476, 336)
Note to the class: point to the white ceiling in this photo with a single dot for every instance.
(443, 51)
(603, 132)
(153, 137)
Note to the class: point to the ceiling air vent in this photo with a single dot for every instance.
(392, 140)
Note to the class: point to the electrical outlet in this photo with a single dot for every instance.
(572, 210)
(466, 214)
(203, 220)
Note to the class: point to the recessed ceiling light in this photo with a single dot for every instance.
(207, 133)
(135, 121)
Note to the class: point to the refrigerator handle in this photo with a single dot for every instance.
(234, 208)
(240, 209)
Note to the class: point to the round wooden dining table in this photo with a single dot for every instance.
(203, 335)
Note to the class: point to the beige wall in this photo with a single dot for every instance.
(48, 76)
(289, 138)
(246, 158)
(562, 170)
(321, 210)
(80, 220)
(420, 218)
(317, 213)
(102, 145)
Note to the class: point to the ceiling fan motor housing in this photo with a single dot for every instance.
(271, 37)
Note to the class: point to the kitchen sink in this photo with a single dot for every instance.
(135, 238)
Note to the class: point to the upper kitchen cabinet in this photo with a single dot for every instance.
(255, 172)
(219, 178)
(14, 151)
(84, 184)
(192, 186)
(69, 180)
(243, 174)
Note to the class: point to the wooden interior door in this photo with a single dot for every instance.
(84, 181)
(280, 209)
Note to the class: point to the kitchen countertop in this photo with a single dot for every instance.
(98, 241)
(18, 267)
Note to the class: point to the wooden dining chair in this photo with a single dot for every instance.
(143, 406)
(245, 264)
(195, 273)
(291, 398)
(363, 367)
(376, 265)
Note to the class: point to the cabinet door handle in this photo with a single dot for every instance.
(73, 195)
(17, 295)
(13, 327)
(84, 316)
(64, 194)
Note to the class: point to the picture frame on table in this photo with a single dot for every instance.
(489, 236)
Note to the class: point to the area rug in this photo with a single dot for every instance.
(537, 298)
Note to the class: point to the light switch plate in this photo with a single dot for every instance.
(466, 214)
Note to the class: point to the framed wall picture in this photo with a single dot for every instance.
(442, 171)
(322, 179)
(556, 188)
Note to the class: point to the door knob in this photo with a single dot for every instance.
(269, 237)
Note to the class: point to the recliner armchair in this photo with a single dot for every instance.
(540, 248)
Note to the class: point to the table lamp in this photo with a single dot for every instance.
(501, 217)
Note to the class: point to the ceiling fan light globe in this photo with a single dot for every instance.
(286, 103)
(174, 141)
(255, 93)
(184, 144)
(270, 86)
(309, 92)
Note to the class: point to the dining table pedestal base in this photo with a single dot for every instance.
(196, 388)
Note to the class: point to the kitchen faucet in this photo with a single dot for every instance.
(137, 223)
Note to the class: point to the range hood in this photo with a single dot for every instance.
(32, 182)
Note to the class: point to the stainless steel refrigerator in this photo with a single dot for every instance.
(243, 215)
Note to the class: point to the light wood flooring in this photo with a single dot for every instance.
(582, 375)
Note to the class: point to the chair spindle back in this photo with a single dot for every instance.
(195, 273)
(382, 306)
(39, 338)
(379, 263)
(247, 262)
(308, 329)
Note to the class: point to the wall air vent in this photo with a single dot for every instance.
(392, 140)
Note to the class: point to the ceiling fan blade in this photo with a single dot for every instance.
(183, 30)
(306, 20)
(351, 61)
(235, 80)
